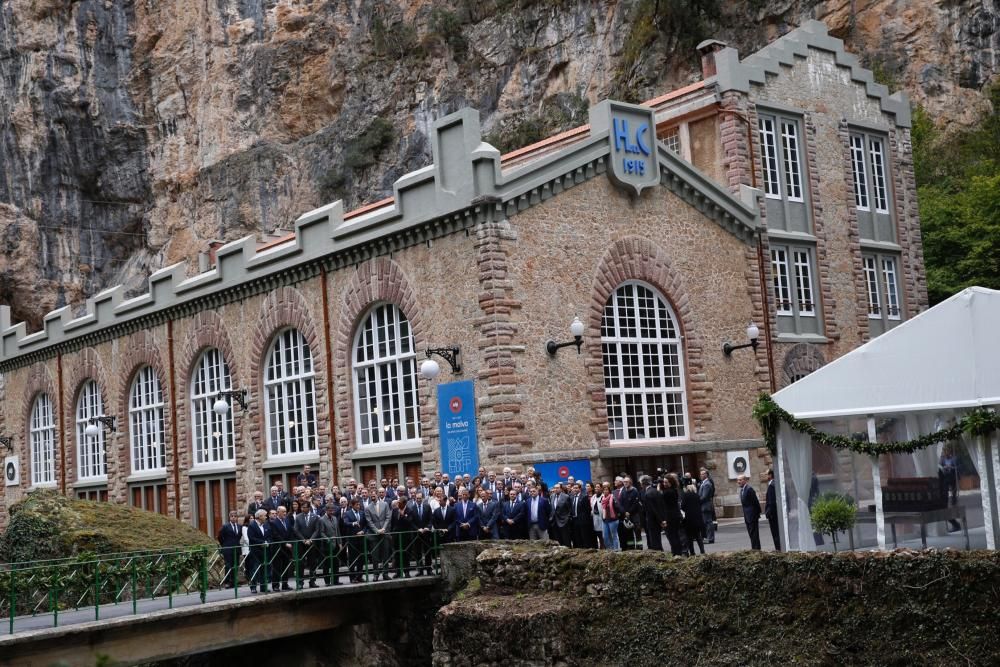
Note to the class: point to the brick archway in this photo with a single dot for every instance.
(39, 381)
(140, 350)
(376, 281)
(285, 308)
(636, 258)
(87, 365)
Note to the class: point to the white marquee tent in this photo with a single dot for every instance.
(910, 381)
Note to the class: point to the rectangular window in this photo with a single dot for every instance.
(769, 157)
(782, 285)
(803, 283)
(793, 175)
(860, 173)
(871, 283)
(891, 288)
(672, 139)
(878, 175)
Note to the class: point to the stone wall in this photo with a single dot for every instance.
(547, 605)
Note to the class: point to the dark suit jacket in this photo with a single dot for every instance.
(656, 507)
(750, 504)
(228, 537)
(490, 516)
(469, 515)
(444, 519)
(583, 520)
(271, 503)
(252, 507)
(691, 504)
(543, 513)
(352, 522)
(306, 527)
(629, 500)
(559, 510)
(770, 502)
(258, 535)
(421, 519)
(281, 531)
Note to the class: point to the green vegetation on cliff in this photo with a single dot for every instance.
(958, 186)
(48, 525)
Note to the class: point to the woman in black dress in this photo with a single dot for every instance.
(694, 524)
(671, 487)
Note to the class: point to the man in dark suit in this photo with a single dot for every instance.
(306, 478)
(274, 500)
(771, 510)
(489, 516)
(706, 494)
(656, 516)
(559, 515)
(751, 510)
(256, 504)
(443, 518)
(512, 517)
(352, 526)
(466, 518)
(581, 519)
(628, 498)
(258, 535)
(229, 544)
(421, 516)
(281, 561)
(537, 515)
(305, 528)
(328, 545)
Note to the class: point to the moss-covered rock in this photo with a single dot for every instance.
(48, 525)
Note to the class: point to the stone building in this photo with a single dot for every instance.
(779, 191)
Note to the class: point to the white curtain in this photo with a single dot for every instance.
(925, 460)
(798, 449)
(976, 447)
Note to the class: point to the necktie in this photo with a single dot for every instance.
(420, 512)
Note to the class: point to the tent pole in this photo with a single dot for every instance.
(779, 473)
(877, 487)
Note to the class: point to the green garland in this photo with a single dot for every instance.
(770, 415)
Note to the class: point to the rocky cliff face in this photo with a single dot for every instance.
(132, 132)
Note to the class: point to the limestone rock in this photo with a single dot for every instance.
(48, 525)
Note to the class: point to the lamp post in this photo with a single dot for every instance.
(576, 330)
(752, 333)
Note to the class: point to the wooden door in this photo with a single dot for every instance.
(368, 473)
(201, 505)
(162, 493)
(412, 470)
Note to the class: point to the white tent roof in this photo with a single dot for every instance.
(946, 357)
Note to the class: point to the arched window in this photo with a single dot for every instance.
(145, 419)
(291, 400)
(212, 433)
(643, 366)
(385, 379)
(43, 438)
(90, 450)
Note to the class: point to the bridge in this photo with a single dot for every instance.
(147, 606)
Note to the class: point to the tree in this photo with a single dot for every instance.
(831, 514)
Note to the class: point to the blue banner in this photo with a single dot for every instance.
(560, 471)
(457, 422)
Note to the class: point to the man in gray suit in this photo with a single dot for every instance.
(560, 515)
(706, 492)
(306, 529)
(378, 517)
(328, 542)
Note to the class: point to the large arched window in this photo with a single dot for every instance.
(643, 366)
(91, 461)
(212, 433)
(289, 382)
(43, 438)
(145, 419)
(385, 379)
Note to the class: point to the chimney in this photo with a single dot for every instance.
(708, 49)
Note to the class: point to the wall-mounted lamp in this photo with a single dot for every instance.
(93, 430)
(752, 333)
(576, 329)
(8, 443)
(221, 405)
(429, 368)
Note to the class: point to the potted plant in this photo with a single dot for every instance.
(831, 514)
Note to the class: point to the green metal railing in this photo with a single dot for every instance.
(53, 587)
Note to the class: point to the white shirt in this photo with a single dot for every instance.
(534, 509)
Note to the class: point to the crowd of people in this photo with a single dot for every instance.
(391, 529)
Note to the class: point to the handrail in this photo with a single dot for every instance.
(134, 580)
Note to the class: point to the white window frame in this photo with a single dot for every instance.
(781, 277)
(861, 199)
(891, 276)
(652, 379)
(91, 457)
(871, 283)
(804, 285)
(146, 423)
(769, 157)
(880, 190)
(290, 398)
(792, 158)
(211, 433)
(383, 354)
(672, 139)
(42, 435)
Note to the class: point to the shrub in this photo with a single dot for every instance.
(833, 513)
